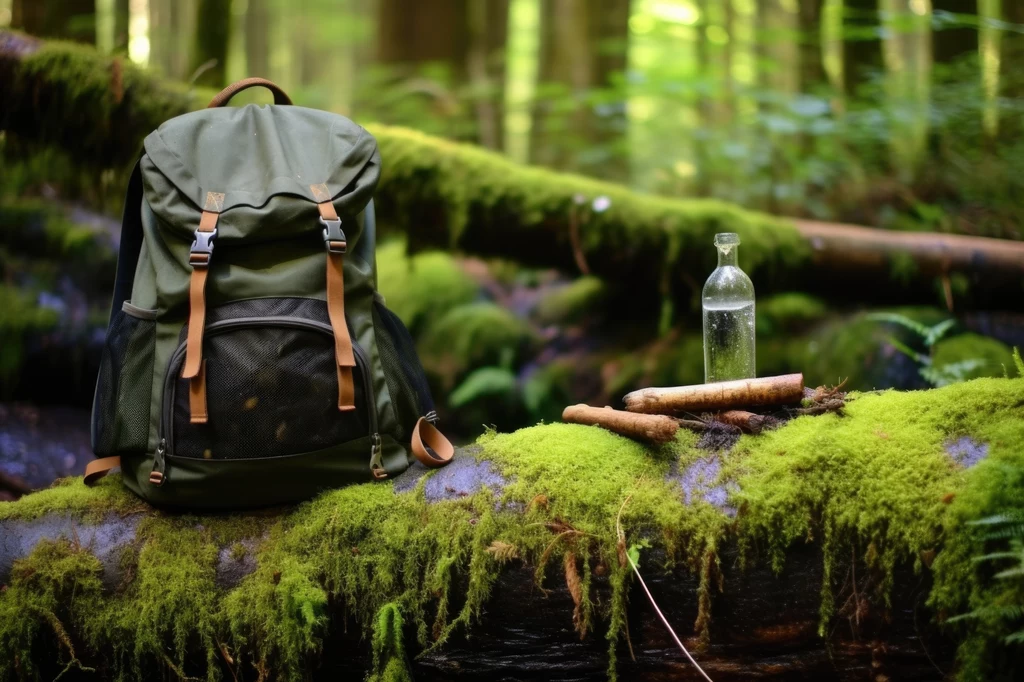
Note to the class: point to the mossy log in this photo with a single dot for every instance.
(98, 109)
(831, 548)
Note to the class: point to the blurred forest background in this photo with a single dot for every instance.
(897, 114)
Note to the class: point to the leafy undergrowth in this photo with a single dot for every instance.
(882, 482)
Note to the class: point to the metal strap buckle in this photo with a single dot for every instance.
(334, 237)
(202, 248)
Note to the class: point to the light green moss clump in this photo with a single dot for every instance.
(471, 336)
(423, 287)
(875, 484)
(572, 303)
(788, 312)
(982, 356)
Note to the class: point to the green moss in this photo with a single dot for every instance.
(873, 484)
(21, 316)
(421, 288)
(572, 303)
(471, 336)
(981, 356)
(788, 312)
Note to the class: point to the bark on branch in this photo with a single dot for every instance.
(724, 395)
(647, 427)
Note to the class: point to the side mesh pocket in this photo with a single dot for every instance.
(120, 415)
(406, 380)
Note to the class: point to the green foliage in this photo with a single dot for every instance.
(788, 312)
(487, 382)
(423, 287)
(470, 336)
(945, 361)
(572, 303)
(21, 315)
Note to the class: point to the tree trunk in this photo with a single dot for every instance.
(950, 44)
(862, 44)
(257, 56)
(210, 49)
(485, 68)
(122, 15)
(583, 44)
(812, 76)
(1011, 71)
(67, 19)
(170, 30)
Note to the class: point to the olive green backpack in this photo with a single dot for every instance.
(249, 359)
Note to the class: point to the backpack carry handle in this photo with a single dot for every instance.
(225, 95)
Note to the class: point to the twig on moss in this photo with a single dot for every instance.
(722, 395)
(647, 427)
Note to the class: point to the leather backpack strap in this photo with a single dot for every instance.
(334, 240)
(199, 258)
(224, 96)
(98, 468)
(430, 445)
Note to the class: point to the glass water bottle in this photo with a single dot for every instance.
(728, 302)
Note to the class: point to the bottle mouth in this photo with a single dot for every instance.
(727, 239)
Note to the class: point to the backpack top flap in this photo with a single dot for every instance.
(259, 158)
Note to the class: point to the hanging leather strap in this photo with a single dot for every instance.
(199, 259)
(98, 468)
(430, 445)
(334, 240)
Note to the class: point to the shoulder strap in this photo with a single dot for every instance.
(131, 241)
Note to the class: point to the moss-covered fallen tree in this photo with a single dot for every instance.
(831, 548)
(96, 110)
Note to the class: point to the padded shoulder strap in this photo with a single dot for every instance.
(131, 241)
(366, 249)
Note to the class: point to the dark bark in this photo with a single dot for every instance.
(862, 44)
(210, 49)
(812, 76)
(583, 45)
(67, 19)
(953, 43)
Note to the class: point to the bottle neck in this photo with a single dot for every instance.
(728, 256)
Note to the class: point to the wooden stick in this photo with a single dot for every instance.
(781, 390)
(650, 428)
(748, 421)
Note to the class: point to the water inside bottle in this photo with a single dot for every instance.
(729, 341)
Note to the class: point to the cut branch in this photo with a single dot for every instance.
(748, 422)
(646, 427)
(725, 395)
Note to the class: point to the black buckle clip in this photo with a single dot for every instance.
(334, 237)
(202, 248)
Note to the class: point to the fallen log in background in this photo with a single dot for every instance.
(650, 428)
(444, 194)
(301, 592)
(787, 389)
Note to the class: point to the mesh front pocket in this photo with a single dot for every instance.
(121, 412)
(270, 391)
(406, 381)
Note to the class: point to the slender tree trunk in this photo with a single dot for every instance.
(170, 24)
(950, 44)
(583, 43)
(862, 44)
(1011, 70)
(67, 19)
(812, 76)
(705, 101)
(485, 67)
(122, 14)
(210, 50)
(257, 57)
